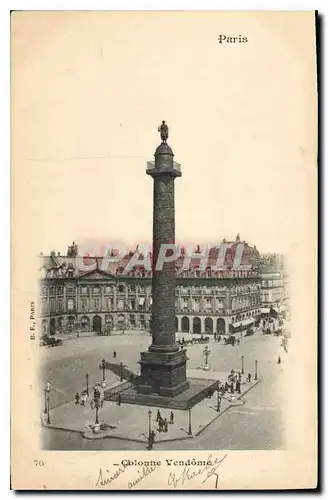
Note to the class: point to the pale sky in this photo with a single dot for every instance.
(90, 89)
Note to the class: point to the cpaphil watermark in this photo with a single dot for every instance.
(203, 257)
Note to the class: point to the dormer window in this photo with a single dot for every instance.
(70, 273)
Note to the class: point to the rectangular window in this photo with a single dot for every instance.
(108, 289)
(109, 304)
(60, 305)
(84, 304)
(96, 289)
(96, 304)
(52, 305)
(44, 304)
(84, 290)
(70, 304)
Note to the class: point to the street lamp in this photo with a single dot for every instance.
(46, 393)
(218, 403)
(87, 380)
(242, 365)
(151, 434)
(149, 424)
(189, 426)
(48, 408)
(95, 405)
(256, 363)
(102, 366)
(206, 353)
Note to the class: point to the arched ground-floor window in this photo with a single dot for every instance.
(208, 325)
(220, 326)
(196, 326)
(185, 324)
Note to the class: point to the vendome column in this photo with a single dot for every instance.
(163, 366)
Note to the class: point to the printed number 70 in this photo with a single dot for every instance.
(38, 463)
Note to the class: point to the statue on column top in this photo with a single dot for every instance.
(164, 131)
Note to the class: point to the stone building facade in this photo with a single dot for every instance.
(206, 302)
(274, 284)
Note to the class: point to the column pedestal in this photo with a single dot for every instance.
(163, 373)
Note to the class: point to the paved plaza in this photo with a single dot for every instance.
(253, 422)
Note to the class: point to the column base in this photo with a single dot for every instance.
(163, 373)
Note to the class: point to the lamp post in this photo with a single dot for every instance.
(218, 403)
(121, 371)
(102, 366)
(242, 365)
(149, 424)
(95, 405)
(189, 426)
(97, 412)
(46, 394)
(48, 408)
(206, 353)
(150, 433)
(87, 381)
(256, 363)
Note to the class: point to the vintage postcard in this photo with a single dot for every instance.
(164, 250)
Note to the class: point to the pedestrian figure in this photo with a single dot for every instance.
(171, 417)
(151, 439)
(239, 376)
(77, 398)
(160, 424)
(83, 398)
(231, 388)
(226, 387)
(249, 377)
(114, 354)
(238, 386)
(218, 407)
(279, 360)
(165, 425)
(119, 400)
(159, 416)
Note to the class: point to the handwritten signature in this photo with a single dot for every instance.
(146, 471)
(189, 473)
(105, 477)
